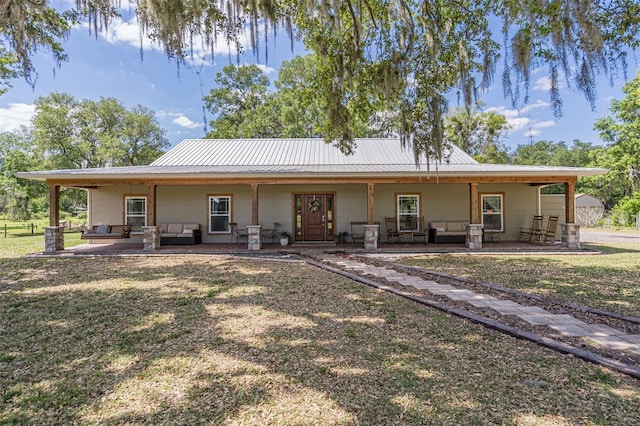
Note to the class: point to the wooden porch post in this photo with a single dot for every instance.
(54, 204)
(254, 203)
(151, 204)
(474, 213)
(570, 201)
(370, 202)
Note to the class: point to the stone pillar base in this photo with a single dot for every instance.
(474, 236)
(53, 239)
(151, 238)
(570, 235)
(254, 237)
(371, 237)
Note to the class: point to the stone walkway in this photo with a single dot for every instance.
(567, 325)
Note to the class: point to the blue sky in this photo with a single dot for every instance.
(111, 66)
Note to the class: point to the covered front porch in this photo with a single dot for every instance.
(316, 210)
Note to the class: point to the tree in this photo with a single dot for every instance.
(71, 134)
(402, 56)
(27, 27)
(549, 153)
(16, 195)
(244, 106)
(241, 91)
(295, 102)
(84, 134)
(621, 132)
(479, 134)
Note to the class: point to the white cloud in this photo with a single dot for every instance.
(179, 119)
(518, 123)
(265, 69)
(16, 115)
(519, 119)
(544, 124)
(536, 105)
(514, 118)
(128, 32)
(184, 121)
(544, 83)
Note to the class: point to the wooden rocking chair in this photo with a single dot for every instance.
(528, 234)
(419, 230)
(547, 236)
(393, 236)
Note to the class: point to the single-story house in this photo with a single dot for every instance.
(588, 209)
(310, 189)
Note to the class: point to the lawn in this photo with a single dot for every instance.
(609, 281)
(209, 339)
(20, 241)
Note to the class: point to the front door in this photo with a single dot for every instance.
(314, 217)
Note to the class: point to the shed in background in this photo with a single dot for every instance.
(588, 208)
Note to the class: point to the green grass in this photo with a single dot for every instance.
(208, 339)
(609, 281)
(20, 244)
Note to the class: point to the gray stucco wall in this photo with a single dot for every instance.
(189, 204)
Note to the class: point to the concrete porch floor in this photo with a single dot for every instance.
(270, 249)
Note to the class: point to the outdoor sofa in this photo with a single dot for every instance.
(450, 231)
(180, 233)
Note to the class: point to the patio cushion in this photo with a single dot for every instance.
(174, 228)
(164, 227)
(440, 226)
(189, 227)
(103, 229)
(455, 226)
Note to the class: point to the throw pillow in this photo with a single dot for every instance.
(103, 229)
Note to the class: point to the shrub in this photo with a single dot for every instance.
(624, 213)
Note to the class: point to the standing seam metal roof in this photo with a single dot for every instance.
(295, 157)
(290, 152)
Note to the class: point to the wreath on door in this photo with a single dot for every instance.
(314, 206)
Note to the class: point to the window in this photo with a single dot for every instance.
(219, 214)
(135, 212)
(408, 211)
(492, 212)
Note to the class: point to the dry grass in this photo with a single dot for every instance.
(187, 339)
(609, 281)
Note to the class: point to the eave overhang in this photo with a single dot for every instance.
(317, 173)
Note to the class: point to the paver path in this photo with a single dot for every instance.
(567, 325)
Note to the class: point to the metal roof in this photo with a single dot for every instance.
(202, 158)
(290, 152)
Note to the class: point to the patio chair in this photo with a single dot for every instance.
(419, 230)
(271, 233)
(527, 234)
(238, 234)
(393, 236)
(548, 235)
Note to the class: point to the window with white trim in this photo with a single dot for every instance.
(408, 208)
(492, 212)
(135, 212)
(219, 214)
